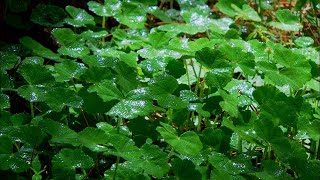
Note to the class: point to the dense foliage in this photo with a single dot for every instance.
(147, 89)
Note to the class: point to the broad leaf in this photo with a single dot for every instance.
(186, 144)
(67, 161)
(60, 133)
(79, 17)
(109, 8)
(107, 90)
(38, 49)
(130, 109)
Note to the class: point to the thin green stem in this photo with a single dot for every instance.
(103, 26)
(171, 4)
(198, 80)
(157, 108)
(199, 123)
(269, 152)
(187, 72)
(118, 157)
(32, 109)
(8, 89)
(194, 70)
(239, 144)
(169, 115)
(316, 149)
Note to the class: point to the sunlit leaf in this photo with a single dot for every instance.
(79, 17)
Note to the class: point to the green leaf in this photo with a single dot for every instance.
(187, 96)
(152, 160)
(311, 127)
(198, 107)
(220, 76)
(238, 58)
(89, 34)
(132, 15)
(68, 70)
(208, 56)
(268, 131)
(225, 6)
(163, 84)
(125, 170)
(141, 134)
(90, 101)
(36, 164)
(100, 61)
(109, 8)
(75, 50)
(152, 66)
(130, 109)
(93, 139)
(185, 169)
(151, 53)
(36, 74)
(20, 119)
(107, 90)
(224, 164)
(182, 28)
(8, 60)
(159, 39)
(18, 162)
(294, 71)
(32, 93)
(288, 21)
(300, 4)
(162, 15)
(171, 101)
(271, 170)
(247, 13)
(67, 161)
(304, 41)
(96, 74)
(35, 60)
(65, 36)
(216, 138)
(6, 145)
(38, 49)
(126, 77)
(79, 17)
(285, 16)
(241, 91)
(130, 59)
(4, 101)
(48, 15)
(60, 133)
(187, 144)
(57, 98)
(270, 98)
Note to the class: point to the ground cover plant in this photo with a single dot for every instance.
(170, 89)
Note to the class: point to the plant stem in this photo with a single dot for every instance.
(118, 157)
(169, 115)
(316, 149)
(199, 123)
(32, 109)
(269, 152)
(187, 73)
(239, 143)
(103, 26)
(198, 80)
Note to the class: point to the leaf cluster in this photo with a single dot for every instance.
(176, 90)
